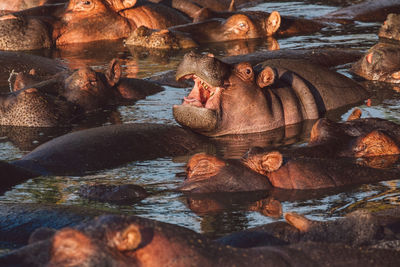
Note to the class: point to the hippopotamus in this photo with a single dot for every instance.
(390, 28)
(33, 108)
(21, 62)
(23, 33)
(273, 94)
(119, 194)
(235, 26)
(315, 166)
(7, 6)
(367, 11)
(359, 228)
(78, 22)
(113, 240)
(86, 21)
(380, 63)
(20, 220)
(265, 171)
(89, 89)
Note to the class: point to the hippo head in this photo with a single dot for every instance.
(225, 99)
(90, 89)
(206, 174)
(381, 63)
(390, 29)
(31, 108)
(242, 26)
(159, 39)
(112, 240)
(89, 20)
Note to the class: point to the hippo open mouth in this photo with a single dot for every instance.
(200, 108)
(203, 94)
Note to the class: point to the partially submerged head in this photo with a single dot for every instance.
(390, 29)
(90, 89)
(85, 21)
(159, 39)
(381, 63)
(207, 173)
(245, 26)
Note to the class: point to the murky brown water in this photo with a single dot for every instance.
(162, 175)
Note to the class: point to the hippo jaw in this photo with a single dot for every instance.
(200, 109)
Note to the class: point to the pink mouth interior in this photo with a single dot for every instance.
(202, 95)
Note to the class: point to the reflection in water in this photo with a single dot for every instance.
(159, 177)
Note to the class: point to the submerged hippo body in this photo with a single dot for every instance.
(23, 33)
(315, 166)
(236, 99)
(89, 89)
(87, 21)
(90, 149)
(128, 240)
(272, 170)
(31, 108)
(357, 229)
(367, 11)
(233, 26)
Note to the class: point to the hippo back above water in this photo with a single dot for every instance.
(237, 99)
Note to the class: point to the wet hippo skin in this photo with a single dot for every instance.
(32, 108)
(89, 89)
(323, 163)
(273, 94)
(232, 26)
(359, 228)
(82, 21)
(390, 28)
(370, 10)
(129, 241)
(380, 63)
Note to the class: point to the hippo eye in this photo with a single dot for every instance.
(242, 25)
(87, 3)
(248, 71)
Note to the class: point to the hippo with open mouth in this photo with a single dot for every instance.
(237, 99)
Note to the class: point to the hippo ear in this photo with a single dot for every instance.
(272, 161)
(266, 77)
(232, 6)
(273, 23)
(118, 5)
(396, 75)
(298, 221)
(128, 239)
(356, 114)
(114, 72)
(70, 246)
(203, 166)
